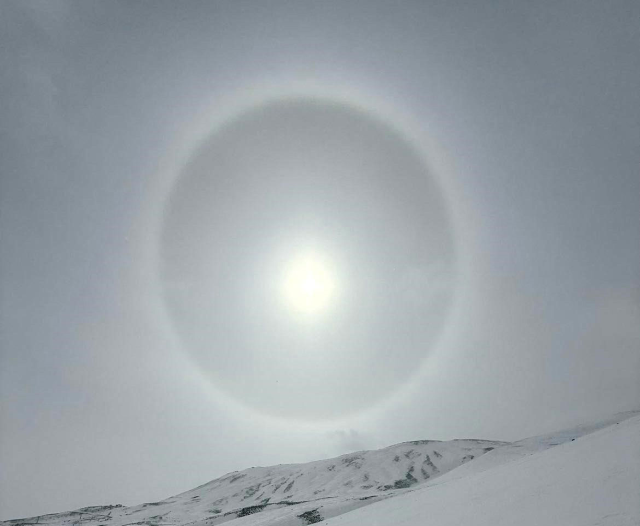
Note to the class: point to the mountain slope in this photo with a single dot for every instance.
(532, 445)
(593, 480)
(586, 475)
(290, 491)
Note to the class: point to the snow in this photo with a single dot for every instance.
(592, 480)
(587, 475)
(280, 494)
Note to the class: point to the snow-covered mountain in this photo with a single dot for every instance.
(576, 475)
(564, 479)
(293, 491)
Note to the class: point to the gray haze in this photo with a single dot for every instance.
(296, 176)
(470, 170)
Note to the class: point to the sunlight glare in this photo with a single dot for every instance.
(309, 285)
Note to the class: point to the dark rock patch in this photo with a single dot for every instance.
(406, 482)
(427, 461)
(311, 516)
(250, 510)
(352, 461)
(251, 491)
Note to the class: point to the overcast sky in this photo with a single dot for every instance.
(464, 177)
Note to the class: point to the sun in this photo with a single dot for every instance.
(309, 285)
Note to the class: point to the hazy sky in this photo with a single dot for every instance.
(248, 233)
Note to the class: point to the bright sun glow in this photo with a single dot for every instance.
(309, 285)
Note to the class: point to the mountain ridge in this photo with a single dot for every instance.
(306, 493)
(348, 481)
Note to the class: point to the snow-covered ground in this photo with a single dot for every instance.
(281, 494)
(592, 480)
(588, 475)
